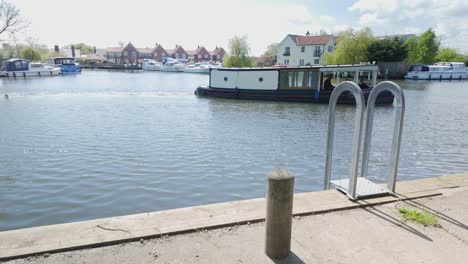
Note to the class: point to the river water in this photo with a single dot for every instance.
(108, 143)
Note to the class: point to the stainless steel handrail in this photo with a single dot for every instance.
(396, 90)
(359, 97)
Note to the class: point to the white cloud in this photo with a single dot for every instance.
(368, 20)
(188, 23)
(449, 18)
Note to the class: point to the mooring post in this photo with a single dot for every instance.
(280, 189)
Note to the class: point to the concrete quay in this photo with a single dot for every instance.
(372, 232)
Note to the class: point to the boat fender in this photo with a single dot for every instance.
(429, 77)
(237, 91)
(7, 75)
(440, 77)
(39, 73)
(51, 73)
(459, 77)
(14, 74)
(450, 77)
(24, 74)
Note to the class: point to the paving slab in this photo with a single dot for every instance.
(107, 231)
(374, 234)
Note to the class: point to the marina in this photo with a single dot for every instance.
(108, 143)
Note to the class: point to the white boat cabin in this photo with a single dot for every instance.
(297, 78)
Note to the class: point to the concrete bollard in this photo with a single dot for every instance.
(280, 189)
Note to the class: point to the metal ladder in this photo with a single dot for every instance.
(360, 187)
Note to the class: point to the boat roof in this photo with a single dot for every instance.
(16, 59)
(322, 68)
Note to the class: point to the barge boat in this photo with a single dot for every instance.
(297, 84)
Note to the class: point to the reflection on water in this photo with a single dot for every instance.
(106, 143)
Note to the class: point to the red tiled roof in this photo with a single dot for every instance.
(114, 49)
(311, 40)
(176, 50)
(216, 51)
(145, 50)
(197, 51)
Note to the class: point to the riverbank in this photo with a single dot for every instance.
(335, 237)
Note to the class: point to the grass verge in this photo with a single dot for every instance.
(420, 217)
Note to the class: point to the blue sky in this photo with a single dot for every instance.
(212, 22)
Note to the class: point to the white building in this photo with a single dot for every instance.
(298, 50)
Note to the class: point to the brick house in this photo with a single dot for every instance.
(178, 53)
(159, 53)
(218, 54)
(128, 54)
(200, 54)
(145, 53)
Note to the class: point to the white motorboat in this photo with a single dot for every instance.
(438, 71)
(197, 68)
(172, 65)
(24, 68)
(151, 65)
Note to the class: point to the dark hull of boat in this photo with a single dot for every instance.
(288, 95)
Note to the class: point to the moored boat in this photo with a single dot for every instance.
(197, 68)
(150, 65)
(438, 71)
(299, 84)
(66, 64)
(24, 68)
(172, 65)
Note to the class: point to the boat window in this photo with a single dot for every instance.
(291, 79)
(36, 65)
(260, 79)
(312, 79)
(298, 79)
(18, 64)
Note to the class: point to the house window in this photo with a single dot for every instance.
(287, 51)
(301, 62)
(316, 61)
(163, 54)
(302, 49)
(125, 53)
(330, 48)
(218, 56)
(206, 56)
(183, 55)
(317, 51)
(134, 55)
(286, 62)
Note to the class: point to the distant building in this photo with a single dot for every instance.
(218, 54)
(398, 37)
(131, 55)
(159, 53)
(200, 54)
(300, 50)
(178, 53)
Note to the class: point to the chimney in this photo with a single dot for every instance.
(73, 51)
(307, 33)
(56, 48)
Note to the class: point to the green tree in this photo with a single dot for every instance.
(387, 50)
(269, 57)
(413, 49)
(31, 54)
(448, 54)
(238, 53)
(428, 47)
(351, 47)
(84, 49)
